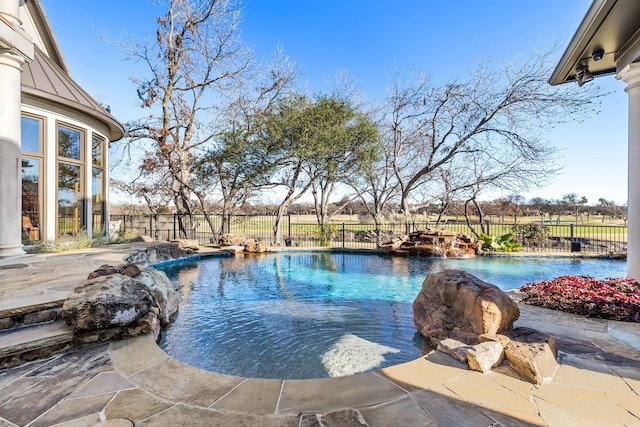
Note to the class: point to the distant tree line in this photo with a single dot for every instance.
(222, 127)
(501, 210)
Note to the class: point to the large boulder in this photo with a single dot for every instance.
(189, 245)
(106, 302)
(119, 302)
(256, 247)
(232, 239)
(165, 293)
(455, 304)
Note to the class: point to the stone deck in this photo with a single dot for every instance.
(133, 382)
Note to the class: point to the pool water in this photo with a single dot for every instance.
(322, 314)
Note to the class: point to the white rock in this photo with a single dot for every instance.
(484, 356)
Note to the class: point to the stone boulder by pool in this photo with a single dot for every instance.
(472, 321)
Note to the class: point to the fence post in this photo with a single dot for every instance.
(151, 226)
(343, 236)
(488, 231)
(289, 226)
(174, 226)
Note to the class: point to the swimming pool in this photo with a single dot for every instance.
(322, 314)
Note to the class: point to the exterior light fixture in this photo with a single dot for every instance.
(597, 56)
(583, 75)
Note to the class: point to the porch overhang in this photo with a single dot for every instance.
(610, 28)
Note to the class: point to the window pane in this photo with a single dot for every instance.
(97, 145)
(31, 135)
(69, 143)
(31, 199)
(69, 198)
(98, 200)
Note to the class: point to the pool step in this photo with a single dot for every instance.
(25, 343)
(31, 310)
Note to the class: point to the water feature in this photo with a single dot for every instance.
(321, 314)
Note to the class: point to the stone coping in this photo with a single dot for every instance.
(584, 391)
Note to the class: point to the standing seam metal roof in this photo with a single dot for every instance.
(44, 79)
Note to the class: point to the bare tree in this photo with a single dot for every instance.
(376, 185)
(575, 205)
(195, 58)
(494, 116)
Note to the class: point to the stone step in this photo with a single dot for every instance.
(17, 312)
(19, 345)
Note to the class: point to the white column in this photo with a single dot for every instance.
(631, 75)
(15, 49)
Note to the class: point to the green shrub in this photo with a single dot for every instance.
(502, 243)
(325, 234)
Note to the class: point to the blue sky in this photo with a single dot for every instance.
(370, 39)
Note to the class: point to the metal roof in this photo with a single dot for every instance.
(47, 77)
(611, 26)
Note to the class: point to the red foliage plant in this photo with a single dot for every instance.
(613, 298)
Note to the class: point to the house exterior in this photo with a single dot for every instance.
(54, 137)
(607, 42)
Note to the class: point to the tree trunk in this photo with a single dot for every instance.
(183, 211)
(277, 229)
(406, 211)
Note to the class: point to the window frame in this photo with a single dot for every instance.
(81, 163)
(40, 157)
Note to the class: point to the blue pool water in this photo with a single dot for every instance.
(321, 314)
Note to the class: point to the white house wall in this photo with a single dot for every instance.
(53, 114)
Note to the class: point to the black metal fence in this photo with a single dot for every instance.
(592, 239)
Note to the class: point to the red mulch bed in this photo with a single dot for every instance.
(616, 299)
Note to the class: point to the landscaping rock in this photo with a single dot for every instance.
(434, 242)
(253, 246)
(455, 302)
(502, 339)
(232, 239)
(145, 239)
(164, 292)
(104, 270)
(533, 354)
(189, 245)
(128, 302)
(234, 250)
(454, 348)
(131, 270)
(107, 302)
(393, 244)
(485, 356)
(157, 253)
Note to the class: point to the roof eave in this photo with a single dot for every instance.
(588, 27)
(116, 130)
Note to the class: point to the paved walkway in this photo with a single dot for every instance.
(133, 382)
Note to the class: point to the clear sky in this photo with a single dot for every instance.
(370, 39)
